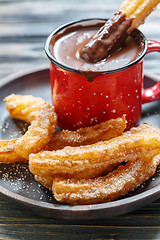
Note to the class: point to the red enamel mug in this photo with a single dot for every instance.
(79, 103)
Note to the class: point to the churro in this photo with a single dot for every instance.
(99, 158)
(88, 135)
(107, 188)
(83, 136)
(7, 153)
(138, 10)
(40, 115)
(85, 174)
(111, 36)
(46, 181)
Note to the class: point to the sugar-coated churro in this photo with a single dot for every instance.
(83, 136)
(107, 188)
(88, 135)
(96, 159)
(46, 181)
(7, 153)
(40, 115)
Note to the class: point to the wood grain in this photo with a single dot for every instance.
(142, 224)
(24, 27)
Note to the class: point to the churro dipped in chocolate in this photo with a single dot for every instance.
(111, 36)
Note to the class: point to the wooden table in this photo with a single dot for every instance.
(24, 26)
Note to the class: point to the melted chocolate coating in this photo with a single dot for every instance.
(108, 39)
(66, 47)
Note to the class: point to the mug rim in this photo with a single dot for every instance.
(65, 67)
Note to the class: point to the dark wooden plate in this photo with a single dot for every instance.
(17, 183)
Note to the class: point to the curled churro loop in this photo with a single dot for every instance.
(83, 136)
(40, 115)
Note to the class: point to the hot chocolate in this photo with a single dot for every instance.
(66, 47)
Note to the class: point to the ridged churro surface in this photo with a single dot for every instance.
(138, 10)
(96, 159)
(83, 136)
(7, 153)
(40, 115)
(110, 187)
(88, 135)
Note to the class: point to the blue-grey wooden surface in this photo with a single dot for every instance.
(24, 26)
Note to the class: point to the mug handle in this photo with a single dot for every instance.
(153, 93)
